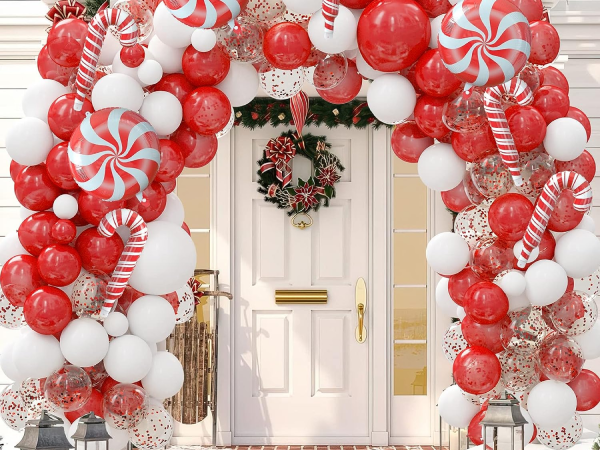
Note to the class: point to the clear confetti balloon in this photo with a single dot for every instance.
(125, 406)
(519, 372)
(32, 393)
(243, 42)
(153, 432)
(526, 332)
(69, 388)
(328, 72)
(536, 168)
(531, 75)
(491, 177)
(495, 393)
(101, 71)
(574, 313)
(264, 10)
(13, 409)
(187, 304)
(89, 292)
(472, 224)
(563, 437)
(97, 374)
(491, 257)
(590, 285)
(465, 112)
(522, 396)
(453, 342)
(141, 12)
(280, 84)
(471, 191)
(11, 316)
(294, 17)
(560, 358)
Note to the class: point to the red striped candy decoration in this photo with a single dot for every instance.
(330, 10)
(128, 36)
(133, 249)
(557, 183)
(206, 13)
(492, 102)
(299, 107)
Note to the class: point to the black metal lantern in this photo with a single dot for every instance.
(91, 428)
(505, 412)
(46, 433)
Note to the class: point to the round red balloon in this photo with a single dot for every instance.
(551, 76)
(63, 231)
(459, 284)
(65, 41)
(47, 310)
(34, 189)
(49, 70)
(59, 265)
(286, 45)
(176, 84)
(579, 115)
(564, 217)
(169, 186)
(99, 254)
(475, 430)
(456, 199)
(63, 120)
(35, 231)
(476, 370)
(486, 302)
(435, 8)
(551, 102)
(15, 169)
(490, 257)
(19, 278)
(473, 145)
(546, 248)
(489, 336)
(586, 386)
(532, 9)
(509, 216)
(584, 165)
(153, 203)
(93, 209)
(58, 168)
(545, 43)
(428, 116)
(94, 404)
(408, 141)
(205, 68)
(346, 90)
(433, 77)
(198, 150)
(206, 110)
(527, 126)
(171, 161)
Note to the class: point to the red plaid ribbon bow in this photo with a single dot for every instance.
(65, 9)
(280, 151)
(195, 285)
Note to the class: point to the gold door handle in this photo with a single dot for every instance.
(361, 306)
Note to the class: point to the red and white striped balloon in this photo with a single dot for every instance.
(128, 36)
(206, 13)
(132, 252)
(299, 107)
(330, 10)
(557, 183)
(492, 102)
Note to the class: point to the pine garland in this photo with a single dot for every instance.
(92, 7)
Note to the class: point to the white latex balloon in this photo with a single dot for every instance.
(303, 6)
(167, 262)
(150, 72)
(120, 438)
(163, 111)
(241, 83)
(578, 252)
(460, 313)
(174, 211)
(440, 168)
(546, 282)
(344, 36)
(435, 23)
(392, 99)
(365, 69)
(590, 342)
(456, 410)
(37, 355)
(512, 283)
(165, 378)
(153, 347)
(565, 139)
(116, 324)
(551, 403)
(151, 318)
(128, 360)
(171, 31)
(518, 248)
(11, 246)
(7, 363)
(204, 40)
(84, 342)
(110, 47)
(29, 141)
(443, 299)
(447, 253)
(65, 206)
(119, 91)
(39, 96)
(587, 223)
(168, 57)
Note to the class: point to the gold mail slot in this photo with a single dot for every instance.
(300, 296)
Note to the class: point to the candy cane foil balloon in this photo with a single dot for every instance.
(492, 102)
(128, 36)
(545, 205)
(129, 257)
(330, 10)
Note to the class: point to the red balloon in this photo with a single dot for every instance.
(435, 8)
(459, 284)
(63, 231)
(94, 404)
(132, 56)
(486, 302)
(433, 77)
(531, 9)
(551, 76)
(564, 217)
(176, 84)
(93, 209)
(49, 70)
(428, 115)
(474, 145)
(527, 126)
(546, 248)
(15, 169)
(346, 90)
(186, 228)
(577, 114)
(491, 257)
(475, 430)
(34, 188)
(410, 73)
(47, 310)
(169, 186)
(408, 141)
(456, 199)
(59, 265)
(586, 386)
(489, 336)
(476, 370)
(58, 169)
(392, 34)
(551, 102)
(65, 41)
(35, 232)
(129, 296)
(545, 43)
(171, 161)
(286, 46)
(355, 4)
(206, 110)
(19, 278)
(78, 220)
(63, 119)
(509, 216)
(198, 150)
(584, 165)
(205, 68)
(99, 254)
(153, 203)
(559, 358)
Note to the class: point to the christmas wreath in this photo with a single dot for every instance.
(275, 173)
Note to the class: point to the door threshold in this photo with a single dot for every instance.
(308, 447)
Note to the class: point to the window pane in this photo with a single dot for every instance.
(410, 204)
(410, 314)
(194, 193)
(410, 265)
(410, 369)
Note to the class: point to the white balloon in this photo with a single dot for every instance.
(37, 355)
(170, 30)
(119, 438)
(578, 252)
(117, 90)
(590, 342)
(29, 141)
(392, 99)
(11, 246)
(512, 283)
(565, 139)
(518, 248)
(39, 96)
(173, 211)
(204, 40)
(303, 6)
(546, 282)
(110, 47)
(551, 403)
(344, 35)
(167, 262)
(163, 111)
(116, 324)
(168, 57)
(8, 365)
(440, 168)
(241, 83)
(128, 360)
(365, 69)
(153, 347)
(436, 24)
(587, 223)
(119, 67)
(443, 299)
(447, 253)
(151, 318)
(65, 206)
(456, 410)
(150, 72)
(460, 313)
(165, 378)
(84, 342)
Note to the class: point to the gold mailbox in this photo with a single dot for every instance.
(300, 296)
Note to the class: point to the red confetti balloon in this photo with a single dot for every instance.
(564, 217)
(584, 165)
(206, 110)
(586, 386)
(286, 46)
(59, 265)
(486, 302)
(545, 43)
(125, 405)
(19, 278)
(476, 370)
(47, 310)
(205, 68)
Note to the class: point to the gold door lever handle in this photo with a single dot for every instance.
(361, 306)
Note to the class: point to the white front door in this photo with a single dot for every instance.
(300, 376)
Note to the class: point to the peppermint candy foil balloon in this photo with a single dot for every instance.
(484, 43)
(205, 13)
(114, 154)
